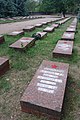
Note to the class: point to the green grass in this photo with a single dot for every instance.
(7, 21)
(11, 21)
(23, 67)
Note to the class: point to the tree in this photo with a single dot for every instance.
(24, 7)
(30, 6)
(59, 6)
(20, 6)
(2, 8)
(10, 9)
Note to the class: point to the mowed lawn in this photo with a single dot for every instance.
(23, 66)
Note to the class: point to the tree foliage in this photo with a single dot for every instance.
(23, 7)
(55, 6)
(16, 7)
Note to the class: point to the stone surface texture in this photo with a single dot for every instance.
(45, 93)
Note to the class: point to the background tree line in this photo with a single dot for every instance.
(16, 7)
(58, 6)
(24, 7)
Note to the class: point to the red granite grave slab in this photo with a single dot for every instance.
(4, 65)
(48, 29)
(43, 34)
(74, 22)
(72, 26)
(38, 25)
(15, 33)
(63, 48)
(2, 39)
(55, 25)
(28, 28)
(68, 36)
(24, 42)
(44, 23)
(63, 21)
(49, 21)
(71, 29)
(45, 93)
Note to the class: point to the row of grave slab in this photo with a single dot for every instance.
(64, 46)
(26, 42)
(45, 93)
(22, 43)
(22, 18)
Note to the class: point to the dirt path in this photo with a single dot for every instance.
(9, 27)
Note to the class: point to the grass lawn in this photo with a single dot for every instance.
(11, 21)
(7, 21)
(23, 67)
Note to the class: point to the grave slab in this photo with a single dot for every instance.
(38, 25)
(45, 93)
(4, 65)
(48, 29)
(44, 23)
(63, 21)
(71, 29)
(72, 26)
(55, 25)
(43, 34)
(63, 48)
(49, 21)
(24, 42)
(68, 36)
(29, 28)
(15, 33)
(2, 39)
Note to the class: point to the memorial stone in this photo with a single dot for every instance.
(45, 93)
(48, 29)
(4, 65)
(63, 48)
(24, 42)
(68, 36)
(29, 28)
(15, 33)
(2, 39)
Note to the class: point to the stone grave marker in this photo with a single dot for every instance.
(29, 28)
(2, 39)
(48, 29)
(71, 29)
(73, 26)
(55, 25)
(63, 21)
(15, 33)
(44, 23)
(45, 93)
(49, 21)
(68, 36)
(63, 48)
(4, 65)
(38, 25)
(24, 42)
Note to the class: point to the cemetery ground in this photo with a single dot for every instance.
(25, 64)
(7, 21)
(12, 21)
(10, 27)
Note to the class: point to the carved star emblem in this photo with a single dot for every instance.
(54, 66)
